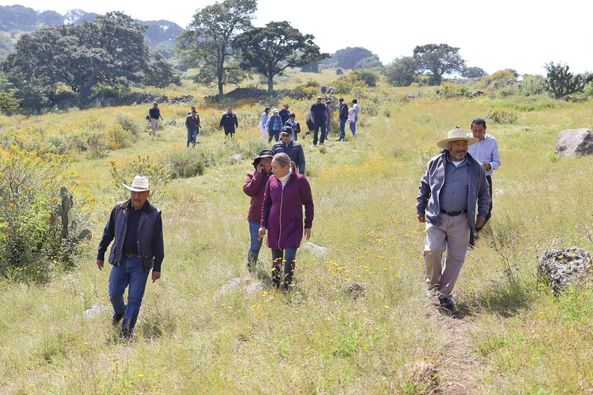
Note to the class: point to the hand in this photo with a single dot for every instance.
(100, 264)
(155, 276)
(261, 233)
(486, 166)
(308, 233)
(480, 222)
(421, 218)
(260, 168)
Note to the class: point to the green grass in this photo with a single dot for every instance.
(192, 337)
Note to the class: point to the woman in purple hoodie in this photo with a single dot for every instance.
(282, 216)
(254, 186)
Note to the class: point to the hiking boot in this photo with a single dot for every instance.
(447, 303)
(252, 261)
(127, 331)
(116, 319)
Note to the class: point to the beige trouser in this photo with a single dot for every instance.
(452, 235)
(154, 125)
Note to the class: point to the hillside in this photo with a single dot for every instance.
(209, 327)
(17, 19)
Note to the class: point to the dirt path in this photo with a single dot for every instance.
(459, 365)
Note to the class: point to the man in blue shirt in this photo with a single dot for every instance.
(319, 118)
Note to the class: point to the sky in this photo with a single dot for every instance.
(520, 34)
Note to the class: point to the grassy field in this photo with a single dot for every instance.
(208, 327)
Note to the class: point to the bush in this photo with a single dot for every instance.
(187, 163)
(368, 77)
(8, 103)
(129, 124)
(38, 232)
(117, 138)
(502, 116)
(532, 85)
(157, 171)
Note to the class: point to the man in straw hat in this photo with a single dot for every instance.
(137, 228)
(453, 184)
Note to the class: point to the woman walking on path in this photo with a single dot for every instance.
(285, 195)
(263, 123)
(255, 184)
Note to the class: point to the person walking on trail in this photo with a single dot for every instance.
(255, 184)
(274, 127)
(284, 114)
(263, 122)
(294, 125)
(319, 118)
(282, 217)
(356, 109)
(229, 123)
(343, 117)
(192, 124)
(454, 183)
(293, 149)
(154, 116)
(136, 229)
(484, 151)
(351, 121)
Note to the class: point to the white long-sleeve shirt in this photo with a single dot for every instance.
(486, 151)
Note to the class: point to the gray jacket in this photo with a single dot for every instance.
(432, 182)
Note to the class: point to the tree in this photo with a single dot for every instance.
(401, 72)
(438, 60)
(159, 72)
(272, 49)
(371, 62)
(349, 57)
(560, 82)
(473, 72)
(207, 41)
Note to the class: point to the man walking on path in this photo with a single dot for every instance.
(319, 118)
(343, 117)
(453, 184)
(293, 149)
(137, 228)
(274, 127)
(229, 123)
(192, 123)
(284, 114)
(154, 115)
(485, 151)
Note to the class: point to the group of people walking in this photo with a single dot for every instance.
(454, 203)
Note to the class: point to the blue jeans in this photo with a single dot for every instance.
(288, 256)
(353, 128)
(254, 232)
(319, 126)
(129, 273)
(192, 136)
(343, 128)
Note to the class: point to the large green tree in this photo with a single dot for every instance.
(272, 49)
(402, 71)
(207, 41)
(438, 60)
(109, 51)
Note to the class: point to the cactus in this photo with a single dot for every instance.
(63, 211)
(561, 82)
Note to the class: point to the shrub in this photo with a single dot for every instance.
(38, 231)
(118, 138)
(532, 85)
(368, 77)
(156, 169)
(8, 103)
(187, 163)
(129, 124)
(502, 116)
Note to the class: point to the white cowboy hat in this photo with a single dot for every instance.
(456, 135)
(139, 184)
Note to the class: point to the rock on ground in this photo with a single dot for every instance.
(563, 267)
(574, 142)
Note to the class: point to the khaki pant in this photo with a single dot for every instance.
(451, 235)
(154, 125)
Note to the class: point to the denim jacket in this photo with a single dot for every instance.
(433, 180)
(150, 236)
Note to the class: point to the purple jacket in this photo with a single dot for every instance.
(255, 185)
(282, 211)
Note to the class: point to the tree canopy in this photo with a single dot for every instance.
(272, 49)
(438, 60)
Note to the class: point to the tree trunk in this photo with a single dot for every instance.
(220, 90)
(270, 84)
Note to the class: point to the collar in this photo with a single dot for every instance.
(143, 208)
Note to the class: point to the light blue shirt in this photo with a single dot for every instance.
(453, 196)
(486, 151)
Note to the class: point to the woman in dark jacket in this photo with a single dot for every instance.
(282, 216)
(255, 184)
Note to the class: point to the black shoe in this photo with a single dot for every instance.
(447, 303)
(127, 332)
(116, 319)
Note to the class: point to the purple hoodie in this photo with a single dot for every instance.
(255, 184)
(282, 211)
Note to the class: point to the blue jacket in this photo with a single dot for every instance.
(295, 152)
(432, 182)
(274, 123)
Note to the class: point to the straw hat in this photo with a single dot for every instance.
(139, 184)
(456, 135)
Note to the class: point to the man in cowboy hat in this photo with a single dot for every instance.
(137, 228)
(453, 184)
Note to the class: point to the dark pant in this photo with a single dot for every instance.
(343, 129)
(288, 256)
(273, 134)
(129, 275)
(192, 136)
(319, 126)
(489, 178)
(226, 134)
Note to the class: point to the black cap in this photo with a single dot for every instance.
(263, 154)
